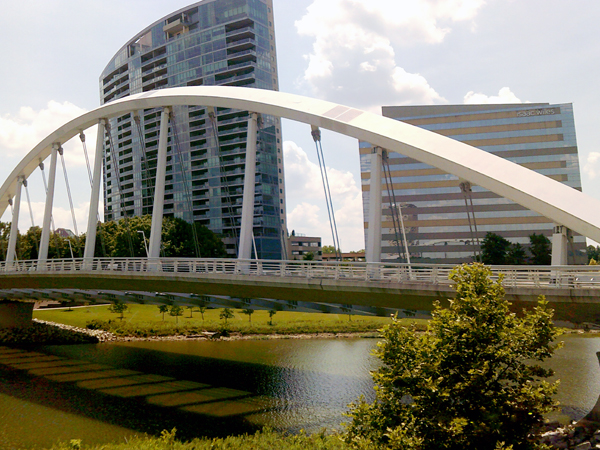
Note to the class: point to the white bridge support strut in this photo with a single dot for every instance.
(14, 226)
(247, 226)
(45, 239)
(159, 187)
(90, 241)
(560, 240)
(373, 251)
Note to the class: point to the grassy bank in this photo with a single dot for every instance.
(263, 440)
(146, 320)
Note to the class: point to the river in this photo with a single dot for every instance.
(106, 392)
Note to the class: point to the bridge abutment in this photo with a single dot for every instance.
(16, 314)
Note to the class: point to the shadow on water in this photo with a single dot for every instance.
(148, 390)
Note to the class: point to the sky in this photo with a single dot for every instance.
(360, 53)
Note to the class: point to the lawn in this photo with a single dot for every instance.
(147, 320)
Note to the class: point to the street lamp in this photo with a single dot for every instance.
(145, 244)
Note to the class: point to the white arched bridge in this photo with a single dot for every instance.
(328, 286)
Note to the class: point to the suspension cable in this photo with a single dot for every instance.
(115, 161)
(99, 228)
(185, 184)
(85, 152)
(41, 165)
(62, 159)
(393, 205)
(397, 206)
(316, 134)
(212, 114)
(37, 245)
(146, 164)
(465, 187)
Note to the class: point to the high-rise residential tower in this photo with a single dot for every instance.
(211, 42)
(446, 218)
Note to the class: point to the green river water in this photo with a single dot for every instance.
(107, 392)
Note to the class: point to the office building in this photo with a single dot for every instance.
(445, 218)
(301, 246)
(211, 42)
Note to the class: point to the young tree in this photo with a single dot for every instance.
(202, 310)
(176, 311)
(248, 312)
(162, 309)
(226, 314)
(118, 307)
(471, 381)
(191, 308)
(272, 312)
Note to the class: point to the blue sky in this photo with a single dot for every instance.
(363, 53)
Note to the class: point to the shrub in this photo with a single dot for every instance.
(471, 381)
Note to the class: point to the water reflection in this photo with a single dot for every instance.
(102, 393)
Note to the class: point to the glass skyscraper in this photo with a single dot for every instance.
(211, 42)
(445, 218)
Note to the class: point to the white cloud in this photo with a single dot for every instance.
(353, 60)
(590, 168)
(505, 95)
(306, 200)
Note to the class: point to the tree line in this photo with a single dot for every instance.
(123, 238)
(497, 250)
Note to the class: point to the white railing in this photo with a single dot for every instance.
(571, 277)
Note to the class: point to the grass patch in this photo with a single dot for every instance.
(146, 320)
(263, 440)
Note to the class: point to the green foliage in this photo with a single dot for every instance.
(248, 312)
(162, 309)
(202, 310)
(471, 381)
(272, 312)
(493, 249)
(226, 314)
(592, 253)
(262, 440)
(176, 311)
(540, 249)
(329, 249)
(309, 256)
(118, 307)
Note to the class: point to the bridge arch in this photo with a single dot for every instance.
(562, 204)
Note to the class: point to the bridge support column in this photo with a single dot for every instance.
(14, 225)
(15, 314)
(560, 240)
(45, 239)
(373, 252)
(90, 240)
(159, 186)
(247, 226)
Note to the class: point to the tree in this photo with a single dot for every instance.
(226, 314)
(272, 312)
(202, 310)
(593, 253)
(118, 307)
(308, 256)
(493, 249)
(471, 381)
(163, 309)
(329, 249)
(191, 308)
(515, 255)
(176, 311)
(540, 249)
(248, 312)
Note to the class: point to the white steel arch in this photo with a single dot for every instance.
(560, 203)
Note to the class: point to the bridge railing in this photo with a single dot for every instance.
(572, 277)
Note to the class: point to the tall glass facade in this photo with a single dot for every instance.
(445, 221)
(211, 42)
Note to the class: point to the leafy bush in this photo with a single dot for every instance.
(471, 381)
